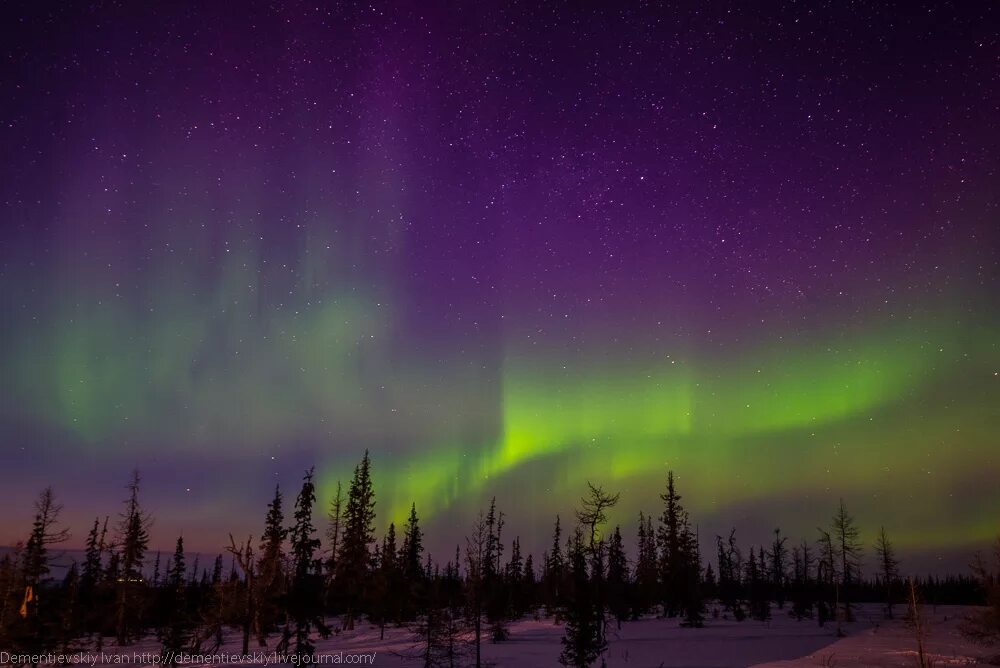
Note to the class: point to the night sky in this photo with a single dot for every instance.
(508, 249)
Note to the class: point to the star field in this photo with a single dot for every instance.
(507, 248)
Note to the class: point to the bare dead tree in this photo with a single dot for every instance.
(245, 558)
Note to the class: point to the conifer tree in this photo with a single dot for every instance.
(671, 540)
(617, 579)
(646, 568)
(93, 554)
(410, 556)
(36, 628)
(43, 534)
(802, 587)
(827, 578)
(582, 641)
(354, 558)
(133, 541)
(495, 598)
(266, 585)
(176, 634)
(305, 607)
(680, 568)
(384, 595)
(69, 621)
(334, 529)
(553, 573)
(889, 565)
(778, 557)
(334, 532)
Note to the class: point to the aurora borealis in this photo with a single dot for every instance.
(508, 249)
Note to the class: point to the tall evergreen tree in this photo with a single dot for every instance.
(305, 605)
(410, 558)
(92, 560)
(680, 568)
(384, 595)
(671, 548)
(133, 542)
(778, 557)
(334, 529)
(176, 634)
(646, 568)
(802, 587)
(582, 641)
(36, 629)
(265, 594)
(553, 573)
(827, 578)
(354, 558)
(617, 578)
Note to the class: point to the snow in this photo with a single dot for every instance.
(662, 643)
(893, 644)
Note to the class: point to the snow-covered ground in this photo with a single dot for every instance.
(893, 644)
(655, 643)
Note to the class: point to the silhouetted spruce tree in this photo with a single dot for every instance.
(133, 542)
(410, 556)
(553, 574)
(67, 605)
(889, 566)
(212, 611)
(266, 593)
(679, 562)
(93, 553)
(334, 529)
(495, 595)
(757, 597)
(582, 641)
(778, 557)
(847, 543)
(43, 533)
(354, 558)
(176, 633)
(646, 568)
(529, 587)
(617, 579)
(385, 599)
(692, 603)
(513, 580)
(827, 579)
(36, 628)
(673, 558)
(803, 593)
(305, 604)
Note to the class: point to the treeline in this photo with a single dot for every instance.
(286, 588)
